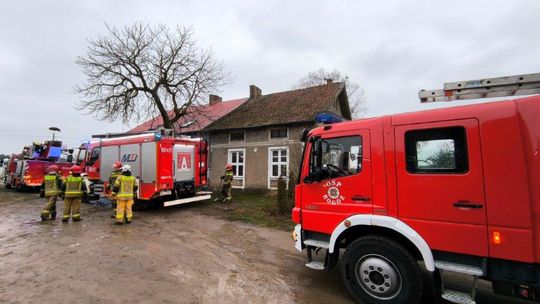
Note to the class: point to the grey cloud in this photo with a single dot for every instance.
(392, 48)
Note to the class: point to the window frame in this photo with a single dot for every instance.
(237, 141)
(316, 146)
(279, 163)
(90, 156)
(278, 138)
(461, 153)
(229, 161)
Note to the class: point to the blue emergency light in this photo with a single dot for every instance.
(327, 117)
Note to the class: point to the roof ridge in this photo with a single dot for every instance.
(300, 89)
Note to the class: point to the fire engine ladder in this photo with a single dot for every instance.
(526, 84)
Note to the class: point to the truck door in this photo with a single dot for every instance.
(440, 184)
(338, 181)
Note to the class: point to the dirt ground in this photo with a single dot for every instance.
(173, 255)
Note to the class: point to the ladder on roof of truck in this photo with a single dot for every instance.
(526, 84)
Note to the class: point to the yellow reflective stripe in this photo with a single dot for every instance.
(73, 186)
(51, 185)
(126, 186)
(119, 216)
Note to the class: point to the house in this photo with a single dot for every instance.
(196, 118)
(261, 137)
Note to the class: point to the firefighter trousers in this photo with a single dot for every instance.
(72, 206)
(226, 192)
(49, 212)
(124, 210)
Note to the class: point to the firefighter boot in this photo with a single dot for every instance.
(45, 215)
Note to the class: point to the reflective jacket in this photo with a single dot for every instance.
(228, 177)
(74, 186)
(124, 186)
(114, 175)
(52, 185)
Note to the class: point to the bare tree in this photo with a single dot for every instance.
(138, 71)
(357, 96)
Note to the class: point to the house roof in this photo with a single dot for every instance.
(287, 107)
(196, 119)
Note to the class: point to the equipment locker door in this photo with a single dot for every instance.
(342, 162)
(183, 163)
(440, 184)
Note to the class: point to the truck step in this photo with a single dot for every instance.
(316, 243)
(458, 297)
(186, 200)
(459, 268)
(315, 265)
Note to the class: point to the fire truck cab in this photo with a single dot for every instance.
(456, 188)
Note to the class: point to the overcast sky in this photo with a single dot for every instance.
(391, 48)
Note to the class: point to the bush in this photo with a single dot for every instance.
(282, 196)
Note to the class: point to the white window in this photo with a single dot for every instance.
(237, 160)
(278, 164)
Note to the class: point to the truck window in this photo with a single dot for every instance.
(81, 157)
(336, 157)
(441, 150)
(94, 156)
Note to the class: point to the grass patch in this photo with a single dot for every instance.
(254, 207)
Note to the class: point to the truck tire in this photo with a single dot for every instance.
(19, 187)
(140, 205)
(378, 270)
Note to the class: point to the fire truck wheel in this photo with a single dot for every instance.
(379, 270)
(19, 187)
(8, 186)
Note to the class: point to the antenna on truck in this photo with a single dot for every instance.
(525, 84)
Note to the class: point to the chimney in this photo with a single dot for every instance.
(254, 91)
(329, 80)
(214, 99)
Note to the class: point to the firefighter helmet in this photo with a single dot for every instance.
(75, 169)
(52, 169)
(117, 165)
(126, 168)
(228, 167)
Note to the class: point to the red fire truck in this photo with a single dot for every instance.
(168, 168)
(26, 170)
(457, 189)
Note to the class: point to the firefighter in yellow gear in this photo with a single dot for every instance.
(73, 188)
(124, 187)
(117, 171)
(227, 179)
(51, 188)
